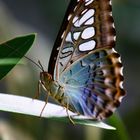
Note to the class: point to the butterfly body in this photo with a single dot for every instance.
(90, 85)
(85, 68)
(52, 87)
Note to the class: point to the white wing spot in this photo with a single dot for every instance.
(113, 25)
(110, 38)
(62, 35)
(67, 50)
(113, 50)
(85, 17)
(88, 33)
(114, 38)
(121, 84)
(90, 21)
(75, 19)
(76, 35)
(68, 38)
(121, 70)
(84, 11)
(88, 2)
(110, 13)
(69, 17)
(75, 8)
(87, 46)
(110, 2)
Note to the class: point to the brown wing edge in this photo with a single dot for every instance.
(58, 40)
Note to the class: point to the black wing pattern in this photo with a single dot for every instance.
(84, 61)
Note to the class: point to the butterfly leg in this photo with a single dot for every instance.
(47, 93)
(38, 90)
(46, 101)
(67, 108)
(38, 93)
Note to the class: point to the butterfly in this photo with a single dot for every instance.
(85, 71)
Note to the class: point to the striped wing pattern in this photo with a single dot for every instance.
(93, 84)
(87, 66)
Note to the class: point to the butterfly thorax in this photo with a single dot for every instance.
(52, 87)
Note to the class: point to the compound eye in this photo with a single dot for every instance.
(49, 76)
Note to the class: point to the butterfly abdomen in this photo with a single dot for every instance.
(56, 91)
(51, 87)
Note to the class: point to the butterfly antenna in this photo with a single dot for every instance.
(40, 65)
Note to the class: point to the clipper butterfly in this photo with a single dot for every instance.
(84, 70)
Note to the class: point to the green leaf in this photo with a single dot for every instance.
(86, 122)
(12, 51)
(121, 132)
(28, 106)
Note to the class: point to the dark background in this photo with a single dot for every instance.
(18, 17)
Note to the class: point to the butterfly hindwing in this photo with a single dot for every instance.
(91, 84)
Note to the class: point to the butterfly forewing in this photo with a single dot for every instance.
(84, 60)
(88, 25)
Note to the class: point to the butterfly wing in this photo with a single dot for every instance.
(92, 84)
(86, 65)
(87, 25)
(54, 55)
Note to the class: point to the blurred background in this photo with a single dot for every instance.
(44, 17)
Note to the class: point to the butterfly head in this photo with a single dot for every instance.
(45, 78)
